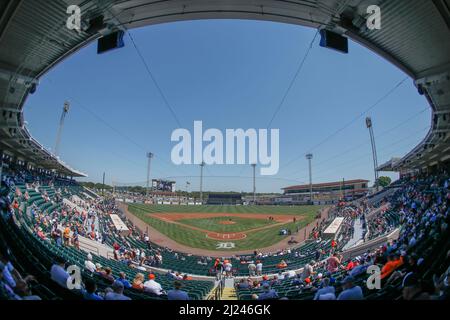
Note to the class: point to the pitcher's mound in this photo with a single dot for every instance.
(226, 236)
(226, 222)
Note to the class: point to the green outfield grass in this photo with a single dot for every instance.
(196, 239)
(293, 210)
(213, 224)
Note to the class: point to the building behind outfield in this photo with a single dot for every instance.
(224, 198)
(330, 192)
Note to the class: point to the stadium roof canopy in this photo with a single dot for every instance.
(326, 184)
(414, 36)
(389, 165)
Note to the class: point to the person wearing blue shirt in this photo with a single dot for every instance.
(326, 289)
(8, 270)
(117, 293)
(177, 293)
(351, 292)
(90, 291)
(58, 273)
(358, 270)
(243, 284)
(268, 293)
(123, 280)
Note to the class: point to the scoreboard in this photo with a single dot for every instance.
(163, 185)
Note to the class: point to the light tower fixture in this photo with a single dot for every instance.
(309, 157)
(66, 108)
(254, 183)
(201, 181)
(149, 157)
(369, 126)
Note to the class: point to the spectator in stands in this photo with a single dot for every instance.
(151, 286)
(6, 292)
(66, 235)
(159, 259)
(333, 245)
(123, 279)
(297, 279)
(394, 261)
(412, 288)
(107, 274)
(117, 293)
(243, 284)
(24, 291)
(308, 270)
(89, 265)
(282, 264)
(274, 281)
(58, 272)
(75, 239)
(56, 235)
(40, 233)
(350, 265)
(9, 273)
(359, 269)
(228, 267)
(291, 274)
(327, 292)
(268, 293)
(251, 269)
(90, 290)
(265, 279)
(218, 266)
(177, 293)
(350, 292)
(259, 268)
(333, 263)
(202, 261)
(138, 282)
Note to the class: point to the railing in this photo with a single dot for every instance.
(217, 291)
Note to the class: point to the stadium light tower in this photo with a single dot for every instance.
(201, 181)
(254, 183)
(61, 125)
(369, 126)
(149, 157)
(103, 184)
(309, 156)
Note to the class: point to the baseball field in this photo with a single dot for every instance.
(215, 227)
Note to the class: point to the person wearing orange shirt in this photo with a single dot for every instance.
(282, 264)
(350, 266)
(393, 263)
(66, 235)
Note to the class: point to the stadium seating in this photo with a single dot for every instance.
(416, 204)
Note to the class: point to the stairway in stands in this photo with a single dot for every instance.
(229, 292)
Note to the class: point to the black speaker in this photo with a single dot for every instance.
(420, 90)
(33, 88)
(111, 41)
(96, 24)
(333, 41)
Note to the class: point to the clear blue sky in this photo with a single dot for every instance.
(229, 74)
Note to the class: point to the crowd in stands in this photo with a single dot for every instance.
(58, 224)
(414, 266)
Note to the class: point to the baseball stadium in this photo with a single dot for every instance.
(348, 200)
